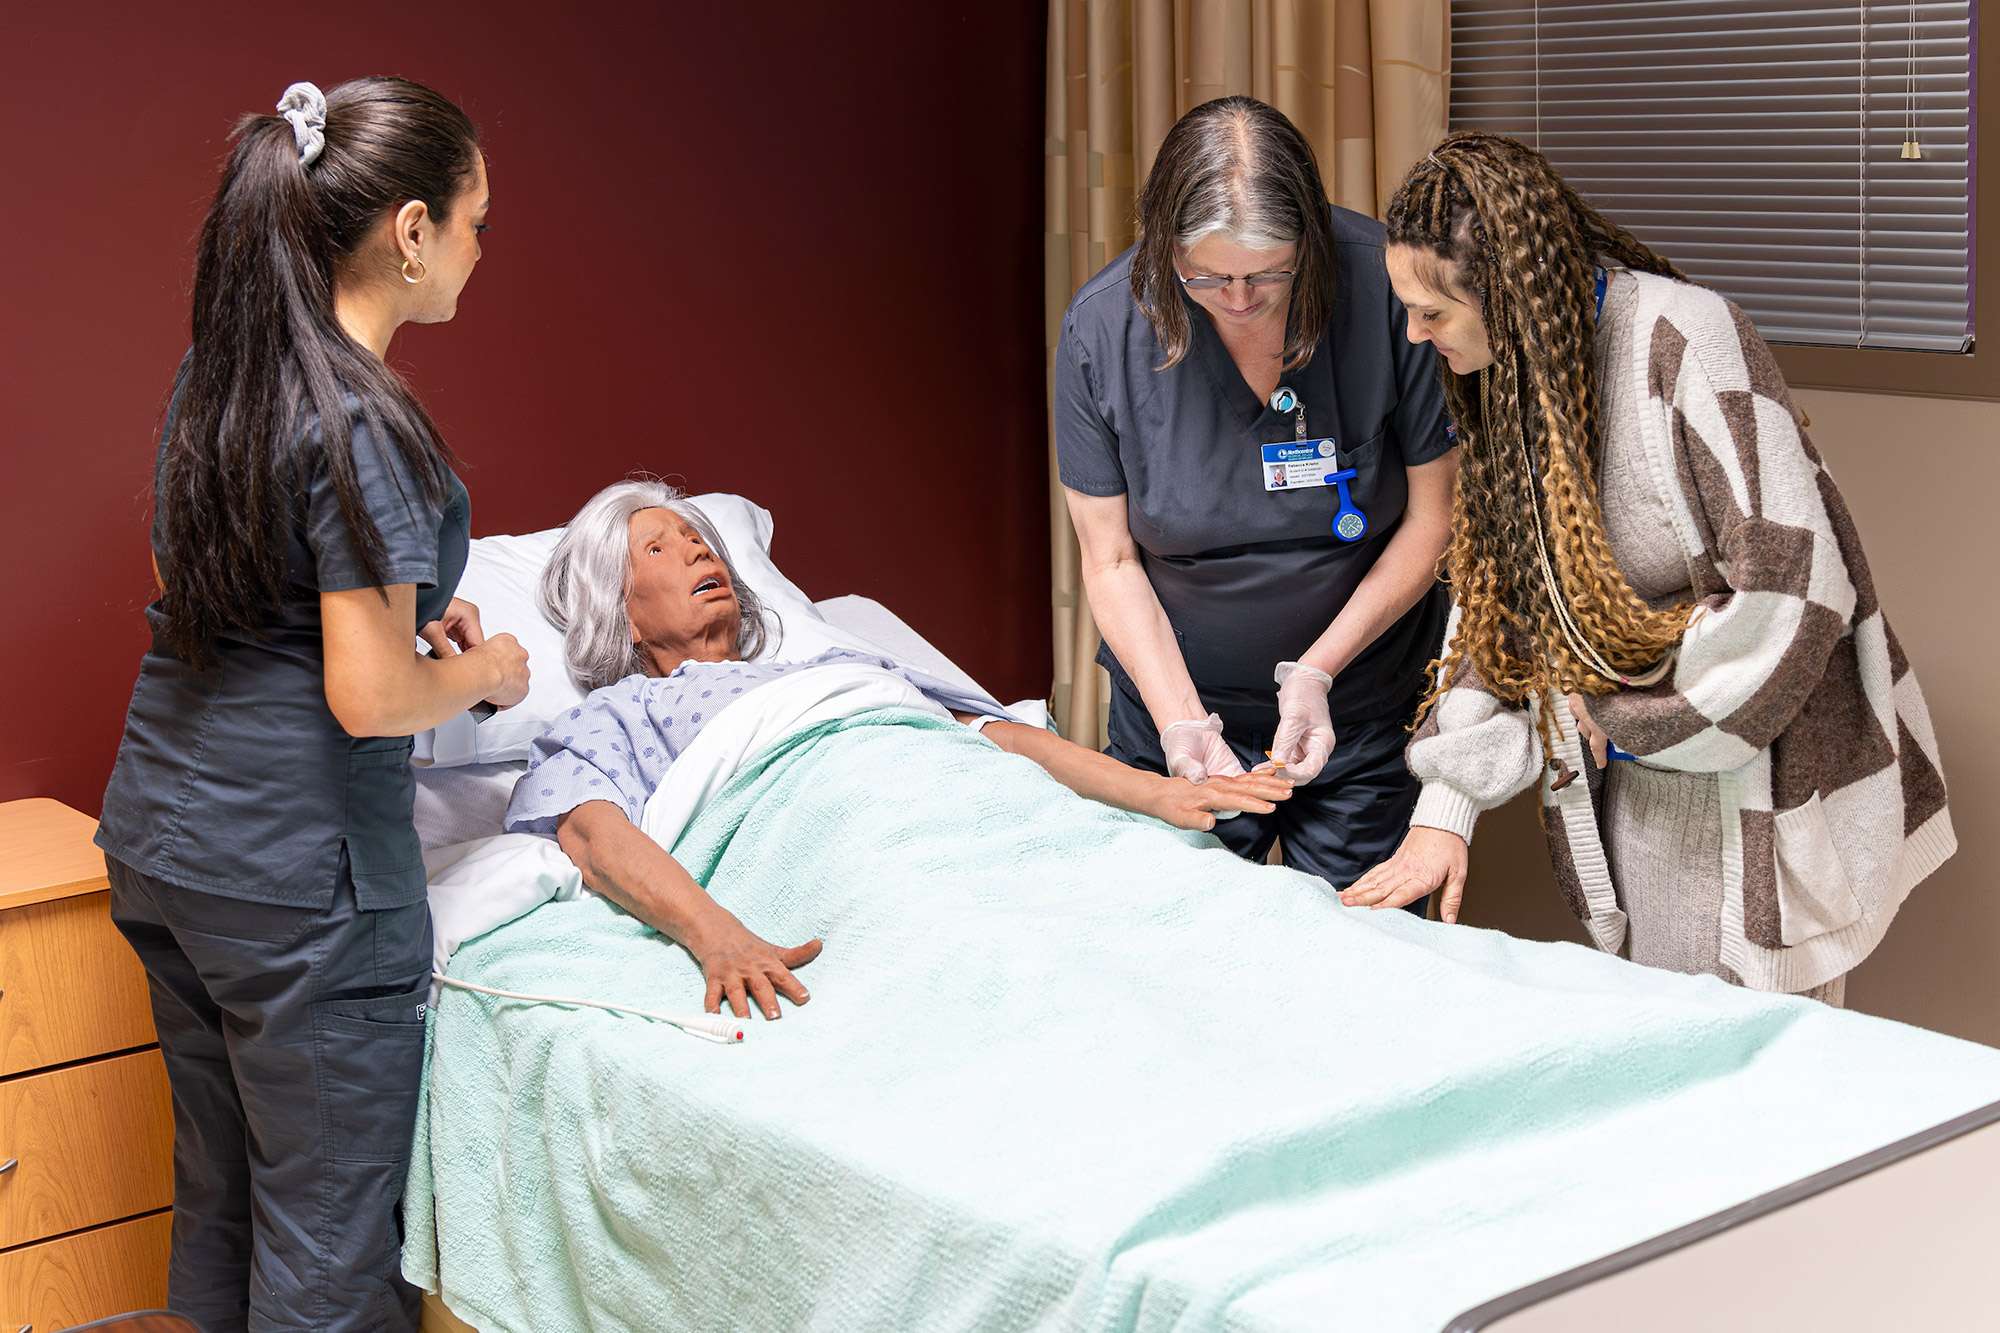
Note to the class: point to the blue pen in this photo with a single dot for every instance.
(1568, 774)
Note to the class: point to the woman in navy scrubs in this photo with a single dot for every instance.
(263, 861)
(1258, 467)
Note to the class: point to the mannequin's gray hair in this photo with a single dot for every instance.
(590, 575)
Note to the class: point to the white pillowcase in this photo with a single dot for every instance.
(463, 801)
(481, 885)
(502, 575)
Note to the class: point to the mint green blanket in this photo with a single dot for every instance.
(1066, 1068)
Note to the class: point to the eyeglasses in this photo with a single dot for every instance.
(1215, 282)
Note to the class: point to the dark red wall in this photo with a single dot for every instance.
(790, 250)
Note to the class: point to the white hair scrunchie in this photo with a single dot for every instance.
(305, 106)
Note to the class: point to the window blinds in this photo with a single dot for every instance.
(1757, 143)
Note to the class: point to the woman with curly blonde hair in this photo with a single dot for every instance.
(1649, 564)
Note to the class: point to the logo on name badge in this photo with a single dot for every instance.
(1350, 526)
(1326, 448)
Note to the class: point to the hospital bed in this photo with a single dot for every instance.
(1816, 1254)
(1895, 1235)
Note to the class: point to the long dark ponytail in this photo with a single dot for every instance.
(269, 360)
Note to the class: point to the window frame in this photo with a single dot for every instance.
(1973, 374)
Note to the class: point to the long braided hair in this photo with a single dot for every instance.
(1492, 214)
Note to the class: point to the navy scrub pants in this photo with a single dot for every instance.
(1338, 826)
(294, 1041)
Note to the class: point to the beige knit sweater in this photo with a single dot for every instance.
(1789, 686)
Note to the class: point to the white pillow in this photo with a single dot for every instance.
(502, 575)
(463, 801)
(481, 885)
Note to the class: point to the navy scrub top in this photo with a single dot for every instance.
(1249, 577)
(236, 780)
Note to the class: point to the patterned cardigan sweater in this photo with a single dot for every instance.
(1790, 688)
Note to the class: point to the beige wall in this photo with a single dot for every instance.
(1922, 476)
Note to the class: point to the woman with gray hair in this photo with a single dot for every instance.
(585, 585)
(659, 628)
(1259, 470)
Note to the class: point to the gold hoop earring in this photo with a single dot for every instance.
(423, 270)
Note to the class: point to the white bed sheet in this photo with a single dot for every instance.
(458, 804)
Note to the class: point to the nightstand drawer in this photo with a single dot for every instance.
(95, 1275)
(70, 986)
(89, 1144)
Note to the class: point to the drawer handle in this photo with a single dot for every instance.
(9, 1165)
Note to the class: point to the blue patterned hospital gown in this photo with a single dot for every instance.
(617, 744)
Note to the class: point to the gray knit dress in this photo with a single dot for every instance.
(1662, 829)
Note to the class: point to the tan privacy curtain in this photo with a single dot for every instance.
(1364, 80)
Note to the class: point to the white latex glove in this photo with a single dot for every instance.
(1196, 751)
(1304, 740)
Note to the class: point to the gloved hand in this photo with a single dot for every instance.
(1304, 740)
(1196, 751)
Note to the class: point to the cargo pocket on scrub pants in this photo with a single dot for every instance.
(370, 1056)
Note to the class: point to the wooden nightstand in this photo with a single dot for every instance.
(86, 1121)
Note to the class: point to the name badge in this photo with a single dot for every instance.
(1296, 464)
